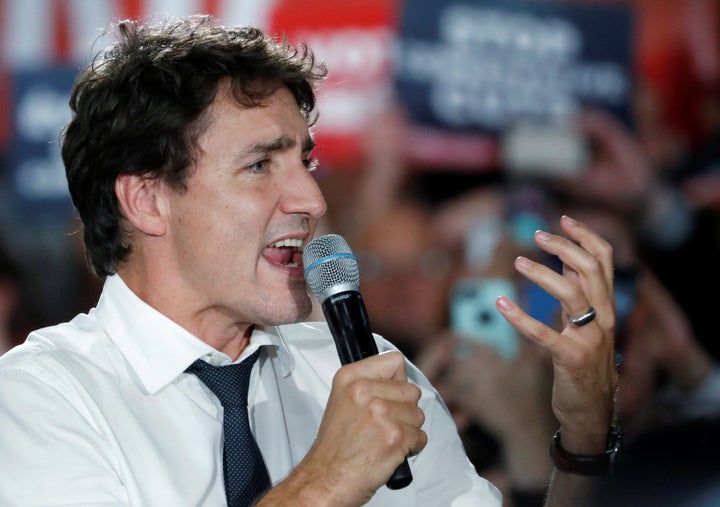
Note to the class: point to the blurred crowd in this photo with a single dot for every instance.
(431, 240)
(422, 236)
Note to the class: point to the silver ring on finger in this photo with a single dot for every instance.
(585, 318)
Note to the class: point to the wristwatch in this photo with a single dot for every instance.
(587, 464)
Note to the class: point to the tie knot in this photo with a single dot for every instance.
(229, 383)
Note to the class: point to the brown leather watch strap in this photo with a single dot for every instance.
(587, 464)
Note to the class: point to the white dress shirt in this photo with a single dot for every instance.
(98, 411)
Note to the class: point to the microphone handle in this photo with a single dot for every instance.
(350, 327)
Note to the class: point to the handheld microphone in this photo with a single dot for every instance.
(331, 271)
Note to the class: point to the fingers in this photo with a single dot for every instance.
(372, 420)
(585, 282)
(379, 386)
(591, 243)
(383, 399)
(585, 376)
(587, 278)
(525, 324)
(388, 365)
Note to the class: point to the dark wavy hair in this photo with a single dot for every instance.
(138, 108)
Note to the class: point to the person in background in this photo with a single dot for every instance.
(189, 160)
(406, 274)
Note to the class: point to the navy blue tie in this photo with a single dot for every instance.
(244, 470)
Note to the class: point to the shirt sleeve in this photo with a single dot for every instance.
(445, 473)
(50, 453)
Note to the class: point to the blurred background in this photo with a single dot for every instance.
(449, 131)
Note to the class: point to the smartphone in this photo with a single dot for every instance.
(543, 150)
(473, 315)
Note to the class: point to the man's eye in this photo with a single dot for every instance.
(311, 164)
(258, 166)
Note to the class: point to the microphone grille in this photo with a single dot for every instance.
(330, 266)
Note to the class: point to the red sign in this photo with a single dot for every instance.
(354, 39)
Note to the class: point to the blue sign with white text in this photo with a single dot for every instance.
(34, 186)
(480, 65)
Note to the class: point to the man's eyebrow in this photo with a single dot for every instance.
(278, 144)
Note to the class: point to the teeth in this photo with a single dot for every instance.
(293, 243)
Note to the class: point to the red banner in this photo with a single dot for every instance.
(354, 39)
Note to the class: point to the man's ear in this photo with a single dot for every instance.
(140, 200)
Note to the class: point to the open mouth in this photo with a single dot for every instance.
(287, 252)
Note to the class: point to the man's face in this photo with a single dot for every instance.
(250, 205)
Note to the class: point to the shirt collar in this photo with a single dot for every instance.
(157, 348)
